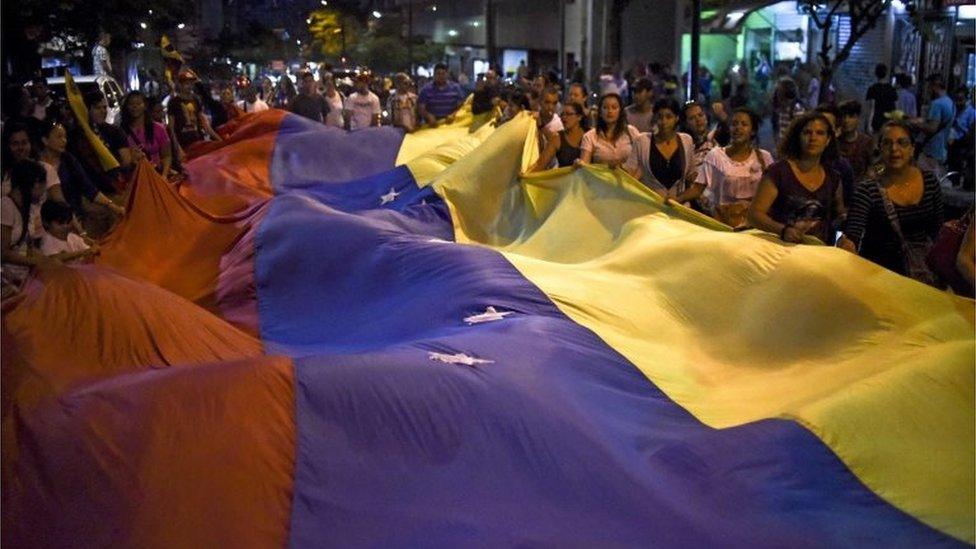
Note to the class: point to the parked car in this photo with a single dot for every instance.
(106, 84)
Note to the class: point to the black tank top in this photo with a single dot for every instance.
(566, 154)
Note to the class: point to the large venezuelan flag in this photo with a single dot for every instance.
(479, 359)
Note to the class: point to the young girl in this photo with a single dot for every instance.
(20, 220)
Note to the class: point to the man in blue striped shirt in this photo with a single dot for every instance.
(440, 98)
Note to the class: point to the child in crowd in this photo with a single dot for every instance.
(58, 241)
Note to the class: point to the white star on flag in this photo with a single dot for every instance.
(458, 358)
(389, 197)
(490, 315)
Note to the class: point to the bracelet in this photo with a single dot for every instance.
(782, 233)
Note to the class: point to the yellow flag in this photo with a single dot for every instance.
(172, 59)
(78, 107)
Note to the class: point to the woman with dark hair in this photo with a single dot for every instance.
(109, 181)
(665, 161)
(611, 141)
(145, 134)
(74, 186)
(17, 146)
(732, 173)
(284, 92)
(895, 217)
(799, 194)
(20, 219)
(564, 145)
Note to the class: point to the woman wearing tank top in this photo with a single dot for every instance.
(665, 161)
(563, 146)
(799, 195)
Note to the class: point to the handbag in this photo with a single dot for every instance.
(913, 253)
(941, 259)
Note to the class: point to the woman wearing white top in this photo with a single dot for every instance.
(665, 161)
(20, 220)
(610, 142)
(732, 173)
(335, 99)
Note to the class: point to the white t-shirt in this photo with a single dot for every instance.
(10, 217)
(334, 118)
(728, 181)
(643, 121)
(554, 125)
(51, 245)
(362, 109)
(257, 106)
(605, 152)
(50, 179)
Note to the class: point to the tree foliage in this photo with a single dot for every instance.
(379, 43)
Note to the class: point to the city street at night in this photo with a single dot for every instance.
(488, 273)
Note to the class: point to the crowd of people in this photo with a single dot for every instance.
(870, 181)
(867, 177)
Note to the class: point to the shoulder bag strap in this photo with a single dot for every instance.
(889, 207)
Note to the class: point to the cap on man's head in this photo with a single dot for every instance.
(187, 75)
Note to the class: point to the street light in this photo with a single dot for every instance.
(181, 26)
(144, 26)
(377, 14)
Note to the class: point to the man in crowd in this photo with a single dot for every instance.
(936, 127)
(402, 104)
(309, 102)
(362, 107)
(440, 98)
(186, 117)
(881, 97)
(101, 62)
(641, 114)
(961, 134)
(853, 145)
(251, 102)
(486, 93)
(549, 121)
(151, 88)
(42, 97)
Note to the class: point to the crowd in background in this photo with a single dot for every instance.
(867, 176)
